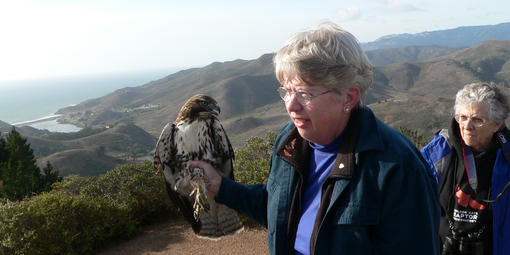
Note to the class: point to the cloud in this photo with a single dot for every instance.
(349, 14)
(397, 5)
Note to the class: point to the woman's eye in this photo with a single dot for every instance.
(477, 120)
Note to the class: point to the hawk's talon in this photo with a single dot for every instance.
(200, 202)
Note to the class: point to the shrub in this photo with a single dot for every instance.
(253, 160)
(57, 223)
(81, 214)
(134, 186)
(252, 164)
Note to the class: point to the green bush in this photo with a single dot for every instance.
(134, 186)
(252, 164)
(81, 214)
(253, 160)
(57, 223)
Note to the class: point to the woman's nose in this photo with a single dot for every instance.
(468, 124)
(292, 103)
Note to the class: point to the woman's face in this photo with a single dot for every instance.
(475, 127)
(323, 118)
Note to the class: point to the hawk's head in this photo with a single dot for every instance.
(199, 106)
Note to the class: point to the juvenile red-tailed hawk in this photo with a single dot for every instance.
(197, 134)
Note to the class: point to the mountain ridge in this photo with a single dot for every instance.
(465, 36)
(242, 85)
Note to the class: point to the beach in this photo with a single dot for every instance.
(49, 123)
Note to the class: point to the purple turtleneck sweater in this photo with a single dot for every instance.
(321, 162)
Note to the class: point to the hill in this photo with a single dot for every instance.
(443, 76)
(428, 88)
(240, 86)
(123, 140)
(4, 126)
(81, 162)
(245, 90)
(382, 57)
(91, 151)
(453, 38)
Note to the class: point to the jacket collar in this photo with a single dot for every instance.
(344, 164)
(294, 150)
(361, 134)
(369, 135)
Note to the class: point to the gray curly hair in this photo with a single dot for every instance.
(486, 93)
(329, 56)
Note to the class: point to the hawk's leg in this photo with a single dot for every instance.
(199, 192)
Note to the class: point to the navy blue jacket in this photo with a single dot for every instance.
(389, 205)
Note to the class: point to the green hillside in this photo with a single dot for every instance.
(124, 124)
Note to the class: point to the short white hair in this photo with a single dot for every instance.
(487, 94)
(327, 55)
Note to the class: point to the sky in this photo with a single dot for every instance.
(51, 38)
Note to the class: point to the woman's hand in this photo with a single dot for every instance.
(211, 176)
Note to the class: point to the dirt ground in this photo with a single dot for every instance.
(174, 236)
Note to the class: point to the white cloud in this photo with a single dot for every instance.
(397, 5)
(349, 14)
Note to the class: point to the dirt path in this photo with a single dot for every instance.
(174, 236)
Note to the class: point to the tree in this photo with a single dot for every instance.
(3, 158)
(50, 176)
(413, 135)
(3, 151)
(20, 175)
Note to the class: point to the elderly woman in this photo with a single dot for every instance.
(472, 165)
(341, 181)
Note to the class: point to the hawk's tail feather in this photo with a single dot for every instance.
(228, 220)
(224, 223)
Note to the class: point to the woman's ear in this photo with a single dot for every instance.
(498, 127)
(352, 98)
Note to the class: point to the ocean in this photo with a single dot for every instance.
(29, 100)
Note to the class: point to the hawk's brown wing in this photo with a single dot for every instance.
(164, 157)
(223, 149)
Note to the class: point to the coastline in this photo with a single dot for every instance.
(32, 99)
(43, 119)
(49, 123)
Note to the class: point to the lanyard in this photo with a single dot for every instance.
(469, 163)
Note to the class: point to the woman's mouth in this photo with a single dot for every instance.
(299, 122)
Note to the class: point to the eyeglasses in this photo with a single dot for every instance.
(303, 97)
(463, 119)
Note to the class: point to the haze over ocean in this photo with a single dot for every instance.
(25, 100)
